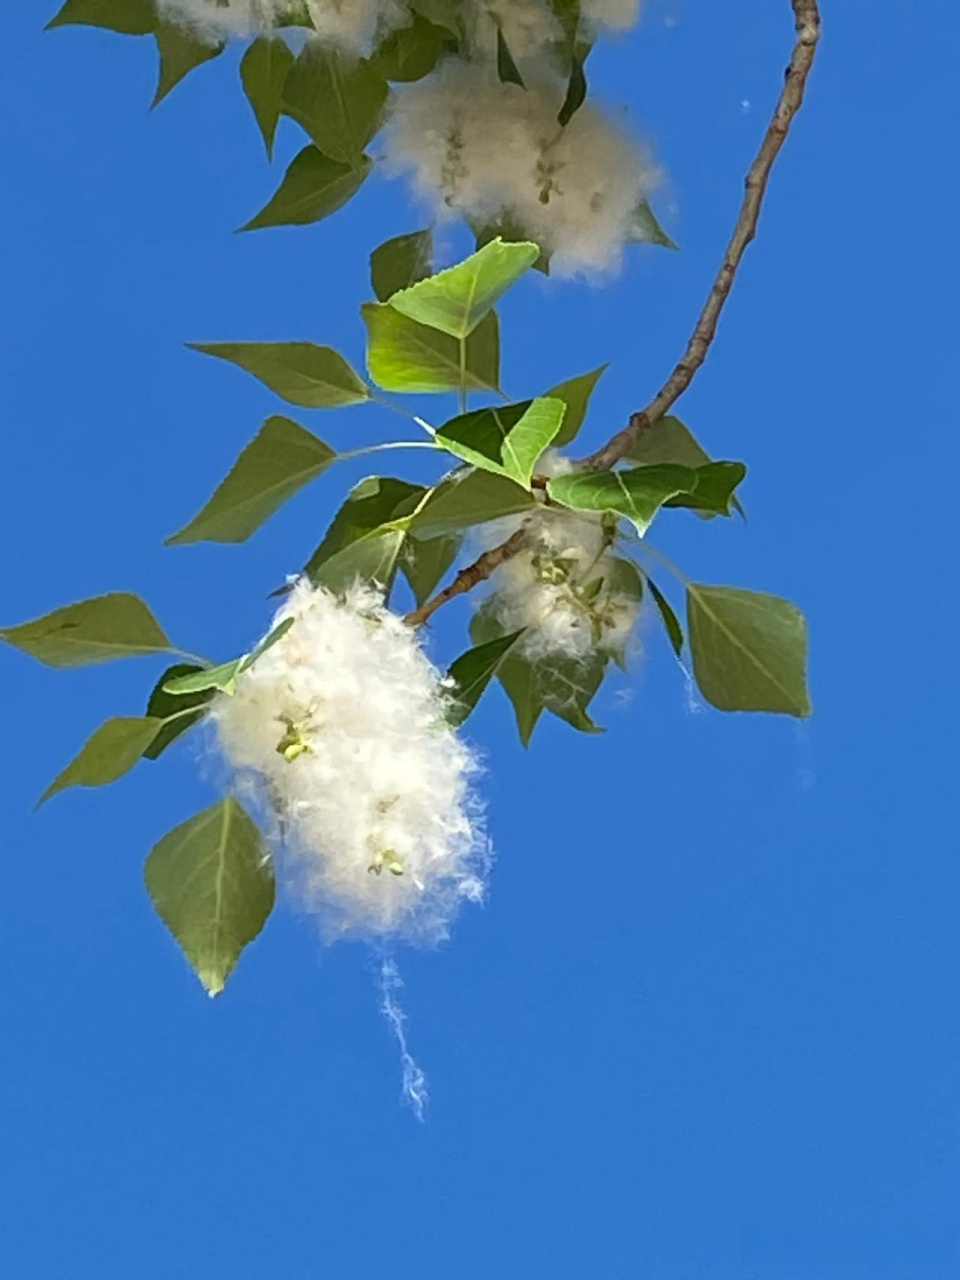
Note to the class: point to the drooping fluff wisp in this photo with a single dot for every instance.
(494, 154)
(341, 728)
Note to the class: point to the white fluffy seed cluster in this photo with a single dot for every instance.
(341, 727)
(349, 25)
(565, 590)
(494, 153)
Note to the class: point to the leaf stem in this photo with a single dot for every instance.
(463, 375)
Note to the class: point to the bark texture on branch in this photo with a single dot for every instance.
(807, 24)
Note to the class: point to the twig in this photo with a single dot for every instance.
(807, 22)
(471, 576)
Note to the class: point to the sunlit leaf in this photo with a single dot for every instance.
(223, 678)
(575, 394)
(211, 883)
(263, 71)
(299, 372)
(405, 356)
(749, 650)
(106, 756)
(118, 625)
(505, 439)
(278, 462)
(456, 300)
(401, 262)
(313, 187)
(637, 494)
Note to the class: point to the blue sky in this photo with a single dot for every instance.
(707, 1024)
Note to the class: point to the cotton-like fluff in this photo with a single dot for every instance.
(492, 152)
(341, 727)
(565, 589)
(614, 15)
(214, 21)
(528, 27)
(354, 26)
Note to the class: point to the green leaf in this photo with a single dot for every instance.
(442, 13)
(576, 89)
(373, 503)
(338, 101)
(509, 230)
(400, 262)
(470, 498)
(473, 671)
(713, 492)
(637, 494)
(110, 753)
(507, 69)
(313, 187)
(515, 673)
(118, 625)
(669, 619)
(411, 52)
(405, 356)
(749, 650)
(180, 53)
(668, 440)
(178, 711)
(299, 372)
(456, 300)
(506, 439)
(647, 230)
(278, 462)
(425, 561)
(129, 17)
(372, 558)
(211, 883)
(223, 678)
(263, 72)
(575, 394)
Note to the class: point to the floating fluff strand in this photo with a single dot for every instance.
(341, 727)
(565, 589)
(491, 152)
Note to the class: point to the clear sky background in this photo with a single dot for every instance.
(707, 1025)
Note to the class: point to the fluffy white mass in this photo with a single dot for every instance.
(341, 724)
(616, 15)
(493, 153)
(528, 27)
(349, 25)
(566, 589)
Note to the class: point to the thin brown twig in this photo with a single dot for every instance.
(807, 24)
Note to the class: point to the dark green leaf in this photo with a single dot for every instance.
(118, 625)
(575, 394)
(179, 712)
(473, 671)
(180, 53)
(411, 52)
(400, 262)
(442, 13)
(110, 753)
(456, 300)
(424, 562)
(373, 503)
(129, 17)
(668, 440)
(470, 498)
(713, 492)
(647, 230)
(749, 650)
(300, 372)
(277, 463)
(372, 558)
(211, 883)
(263, 71)
(313, 187)
(507, 69)
(405, 356)
(506, 439)
(637, 494)
(576, 89)
(337, 100)
(670, 620)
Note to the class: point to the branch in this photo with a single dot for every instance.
(807, 23)
(471, 576)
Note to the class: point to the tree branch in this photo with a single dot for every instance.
(807, 24)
